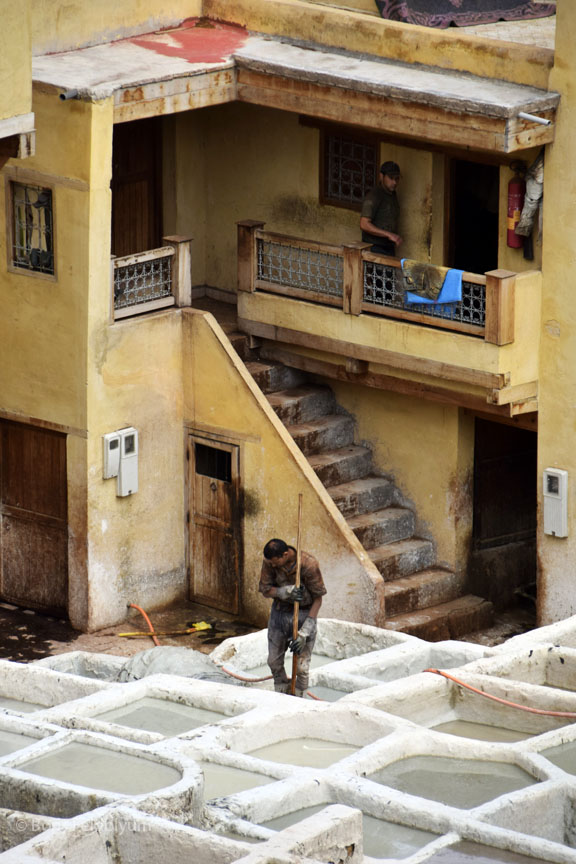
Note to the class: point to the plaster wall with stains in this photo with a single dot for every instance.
(16, 57)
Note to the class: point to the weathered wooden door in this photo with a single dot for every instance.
(136, 187)
(34, 518)
(214, 553)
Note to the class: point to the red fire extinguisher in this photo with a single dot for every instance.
(516, 193)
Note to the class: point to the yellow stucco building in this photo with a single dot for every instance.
(222, 151)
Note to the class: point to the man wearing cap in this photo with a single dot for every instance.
(381, 212)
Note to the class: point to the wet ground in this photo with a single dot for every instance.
(26, 635)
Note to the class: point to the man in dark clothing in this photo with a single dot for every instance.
(381, 212)
(277, 580)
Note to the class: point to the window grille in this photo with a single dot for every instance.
(350, 169)
(383, 286)
(32, 228)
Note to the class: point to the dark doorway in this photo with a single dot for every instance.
(473, 235)
(503, 560)
(137, 186)
(34, 517)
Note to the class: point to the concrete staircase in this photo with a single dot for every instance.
(422, 598)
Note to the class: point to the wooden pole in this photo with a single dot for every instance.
(296, 605)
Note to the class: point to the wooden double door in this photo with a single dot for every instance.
(33, 517)
(215, 523)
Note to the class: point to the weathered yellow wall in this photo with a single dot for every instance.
(61, 25)
(353, 31)
(43, 319)
(15, 59)
(247, 162)
(556, 420)
(274, 472)
(189, 201)
(429, 449)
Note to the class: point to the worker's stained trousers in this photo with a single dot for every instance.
(280, 629)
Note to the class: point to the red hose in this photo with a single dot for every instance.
(147, 619)
(248, 680)
(570, 714)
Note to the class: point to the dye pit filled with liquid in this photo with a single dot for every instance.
(381, 839)
(19, 705)
(10, 742)
(305, 752)
(222, 780)
(325, 694)
(481, 731)
(476, 853)
(563, 756)
(462, 783)
(100, 768)
(161, 715)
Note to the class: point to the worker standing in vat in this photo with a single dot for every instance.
(381, 213)
(277, 580)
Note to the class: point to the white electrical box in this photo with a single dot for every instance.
(111, 455)
(556, 502)
(128, 471)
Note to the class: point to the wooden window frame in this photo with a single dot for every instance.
(24, 180)
(358, 136)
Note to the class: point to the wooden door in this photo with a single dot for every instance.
(214, 553)
(136, 187)
(34, 517)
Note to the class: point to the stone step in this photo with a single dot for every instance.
(421, 590)
(302, 404)
(324, 433)
(240, 344)
(395, 560)
(339, 466)
(446, 620)
(383, 526)
(274, 376)
(363, 495)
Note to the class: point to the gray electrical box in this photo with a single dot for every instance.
(110, 455)
(556, 502)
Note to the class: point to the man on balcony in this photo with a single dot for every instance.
(381, 213)
(277, 581)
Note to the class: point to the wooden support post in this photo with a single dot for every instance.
(181, 268)
(247, 253)
(353, 277)
(500, 296)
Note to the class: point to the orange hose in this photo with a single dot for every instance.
(147, 619)
(241, 678)
(570, 714)
(312, 696)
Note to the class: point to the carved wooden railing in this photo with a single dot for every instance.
(358, 281)
(151, 280)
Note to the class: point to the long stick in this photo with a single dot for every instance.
(296, 605)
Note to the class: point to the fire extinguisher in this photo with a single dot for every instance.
(516, 193)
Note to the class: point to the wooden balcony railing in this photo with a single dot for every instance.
(358, 281)
(151, 280)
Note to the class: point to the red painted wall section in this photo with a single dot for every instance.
(197, 40)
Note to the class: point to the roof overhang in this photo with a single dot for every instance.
(180, 70)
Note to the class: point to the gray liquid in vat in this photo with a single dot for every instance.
(326, 694)
(564, 756)
(481, 731)
(99, 768)
(19, 705)
(462, 783)
(475, 853)
(305, 752)
(381, 839)
(161, 715)
(221, 780)
(12, 741)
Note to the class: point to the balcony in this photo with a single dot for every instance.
(345, 309)
(152, 280)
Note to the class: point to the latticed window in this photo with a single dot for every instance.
(32, 228)
(349, 168)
